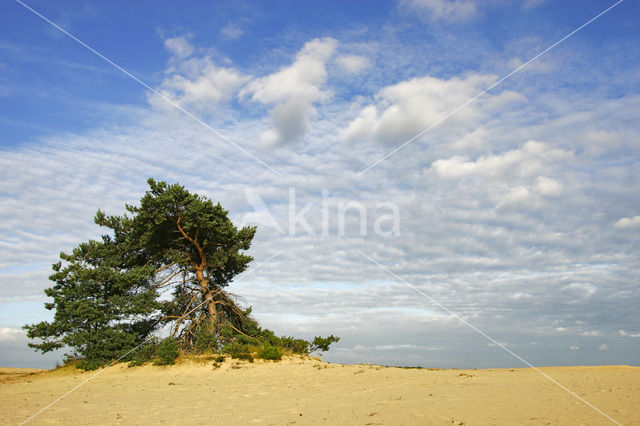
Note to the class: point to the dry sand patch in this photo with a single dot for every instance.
(297, 391)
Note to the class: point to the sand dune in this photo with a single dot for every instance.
(297, 391)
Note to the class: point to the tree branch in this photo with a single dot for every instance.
(203, 260)
(170, 265)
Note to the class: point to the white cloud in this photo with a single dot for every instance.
(504, 170)
(603, 347)
(291, 121)
(625, 334)
(446, 10)
(628, 222)
(293, 90)
(583, 291)
(195, 81)
(574, 348)
(530, 159)
(11, 334)
(603, 142)
(352, 64)
(591, 333)
(472, 141)
(363, 125)
(403, 110)
(520, 296)
(231, 31)
(548, 187)
(300, 79)
(516, 197)
(179, 47)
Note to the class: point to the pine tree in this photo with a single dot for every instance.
(164, 264)
(104, 305)
(106, 296)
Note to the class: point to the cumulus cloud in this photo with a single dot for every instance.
(11, 334)
(547, 186)
(446, 10)
(179, 47)
(531, 158)
(403, 110)
(514, 198)
(628, 222)
(352, 64)
(195, 81)
(293, 90)
(515, 175)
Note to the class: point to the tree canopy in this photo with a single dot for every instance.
(102, 303)
(164, 264)
(195, 250)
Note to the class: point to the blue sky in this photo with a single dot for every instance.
(519, 212)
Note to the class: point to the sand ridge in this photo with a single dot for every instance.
(307, 391)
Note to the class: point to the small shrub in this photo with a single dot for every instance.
(244, 356)
(167, 352)
(268, 351)
(235, 348)
(238, 350)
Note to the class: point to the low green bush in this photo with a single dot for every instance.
(271, 352)
(167, 352)
(244, 356)
(238, 350)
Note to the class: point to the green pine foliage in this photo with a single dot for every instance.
(103, 304)
(270, 352)
(167, 352)
(205, 340)
(143, 354)
(322, 344)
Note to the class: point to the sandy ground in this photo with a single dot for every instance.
(297, 391)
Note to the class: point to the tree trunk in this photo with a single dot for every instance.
(208, 297)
